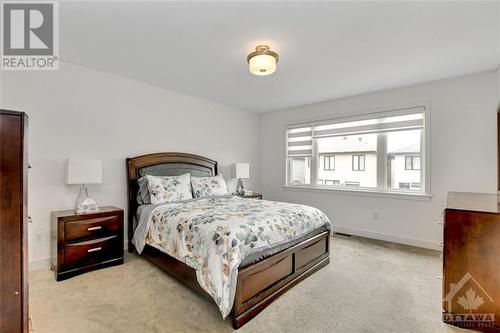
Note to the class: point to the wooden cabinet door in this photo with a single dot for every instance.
(472, 262)
(13, 237)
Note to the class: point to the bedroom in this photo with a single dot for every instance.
(374, 113)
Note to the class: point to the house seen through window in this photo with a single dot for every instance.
(383, 152)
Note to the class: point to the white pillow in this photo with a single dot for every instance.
(143, 197)
(167, 189)
(208, 186)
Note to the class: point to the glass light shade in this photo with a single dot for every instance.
(84, 203)
(262, 64)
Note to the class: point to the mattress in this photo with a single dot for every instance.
(217, 235)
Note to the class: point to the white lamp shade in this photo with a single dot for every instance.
(262, 64)
(242, 170)
(83, 171)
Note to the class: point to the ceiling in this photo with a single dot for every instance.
(327, 49)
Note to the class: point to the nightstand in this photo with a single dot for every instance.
(254, 195)
(85, 242)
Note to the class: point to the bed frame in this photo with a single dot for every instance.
(258, 284)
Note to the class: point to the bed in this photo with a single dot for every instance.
(257, 281)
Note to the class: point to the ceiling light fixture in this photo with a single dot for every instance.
(262, 61)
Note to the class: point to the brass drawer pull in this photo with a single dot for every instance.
(94, 228)
(94, 249)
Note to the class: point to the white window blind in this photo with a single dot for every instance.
(299, 139)
(299, 142)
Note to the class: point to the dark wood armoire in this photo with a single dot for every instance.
(471, 261)
(13, 219)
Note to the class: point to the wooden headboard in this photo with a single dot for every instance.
(161, 164)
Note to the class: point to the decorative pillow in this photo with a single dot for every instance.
(168, 189)
(208, 186)
(143, 196)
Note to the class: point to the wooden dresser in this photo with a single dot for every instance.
(85, 242)
(471, 261)
(13, 219)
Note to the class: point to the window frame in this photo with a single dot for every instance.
(330, 157)
(425, 157)
(408, 162)
(358, 166)
(412, 162)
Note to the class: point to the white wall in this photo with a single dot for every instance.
(463, 157)
(81, 113)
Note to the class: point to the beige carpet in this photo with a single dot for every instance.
(369, 286)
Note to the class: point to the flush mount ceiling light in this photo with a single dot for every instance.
(262, 61)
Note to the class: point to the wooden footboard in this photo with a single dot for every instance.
(261, 283)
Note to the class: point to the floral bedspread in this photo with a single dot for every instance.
(214, 235)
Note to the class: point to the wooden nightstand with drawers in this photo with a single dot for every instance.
(85, 242)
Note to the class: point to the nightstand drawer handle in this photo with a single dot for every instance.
(94, 249)
(94, 228)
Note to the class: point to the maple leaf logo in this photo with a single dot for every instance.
(470, 301)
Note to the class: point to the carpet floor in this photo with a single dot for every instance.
(369, 286)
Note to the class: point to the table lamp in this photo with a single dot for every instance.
(83, 172)
(241, 170)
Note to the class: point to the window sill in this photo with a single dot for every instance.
(362, 192)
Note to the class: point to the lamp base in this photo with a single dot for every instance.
(84, 203)
(240, 189)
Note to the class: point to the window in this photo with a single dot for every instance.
(404, 185)
(412, 162)
(381, 151)
(358, 162)
(300, 170)
(329, 163)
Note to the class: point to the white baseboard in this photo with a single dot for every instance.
(37, 264)
(388, 237)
